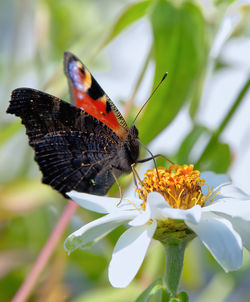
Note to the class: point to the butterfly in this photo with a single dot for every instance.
(83, 147)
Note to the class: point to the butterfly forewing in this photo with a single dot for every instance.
(87, 94)
(71, 147)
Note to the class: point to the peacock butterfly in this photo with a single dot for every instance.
(83, 147)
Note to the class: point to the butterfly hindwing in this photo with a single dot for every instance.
(87, 94)
(74, 150)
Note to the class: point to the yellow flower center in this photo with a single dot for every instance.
(179, 185)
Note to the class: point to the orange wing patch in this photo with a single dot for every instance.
(87, 94)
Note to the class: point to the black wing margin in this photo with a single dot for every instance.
(71, 147)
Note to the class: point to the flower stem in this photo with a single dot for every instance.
(27, 286)
(174, 262)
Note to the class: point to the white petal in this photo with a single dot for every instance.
(158, 208)
(238, 213)
(192, 215)
(155, 204)
(232, 191)
(100, 204)
(218, 235)
(231, 207)
(129, 253)
(242, 227)
(157, 200)
(142, 217)
(213, 180)
(95, 230)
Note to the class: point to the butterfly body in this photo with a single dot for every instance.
(74, 147)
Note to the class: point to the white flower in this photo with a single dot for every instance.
(223, 225)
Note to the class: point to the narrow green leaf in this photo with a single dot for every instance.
(234, 106)
(154, 293)
(217, 157)
(180, 48)
(188, 143)
(129, 15)
(197, 93)
(181, 297)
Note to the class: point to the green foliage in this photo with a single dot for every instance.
(180, 48)
(216, 157)
(154, 293)
(129, 15)
(183, 155)
(181, 297)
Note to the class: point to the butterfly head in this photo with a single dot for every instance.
(131, 145)
(133, 132)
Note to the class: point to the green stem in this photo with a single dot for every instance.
(235, 105)
(175, 249)
(226, 120)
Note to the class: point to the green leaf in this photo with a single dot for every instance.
(197, 93)
(154, 293)
(235, 105)
(217, 157)
(129, 15)
(186, 147)
(180, 48)
(8, 131)
(181, 297)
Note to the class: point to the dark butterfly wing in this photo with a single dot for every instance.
(74, 150)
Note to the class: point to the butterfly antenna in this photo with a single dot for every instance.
(163, 78)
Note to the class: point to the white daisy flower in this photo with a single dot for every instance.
(178, 203)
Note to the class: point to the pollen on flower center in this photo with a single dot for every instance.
(180, 186)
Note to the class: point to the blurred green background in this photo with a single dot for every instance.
(199, 115)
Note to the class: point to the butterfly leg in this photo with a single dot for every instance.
(136, 176)
(119, 186)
